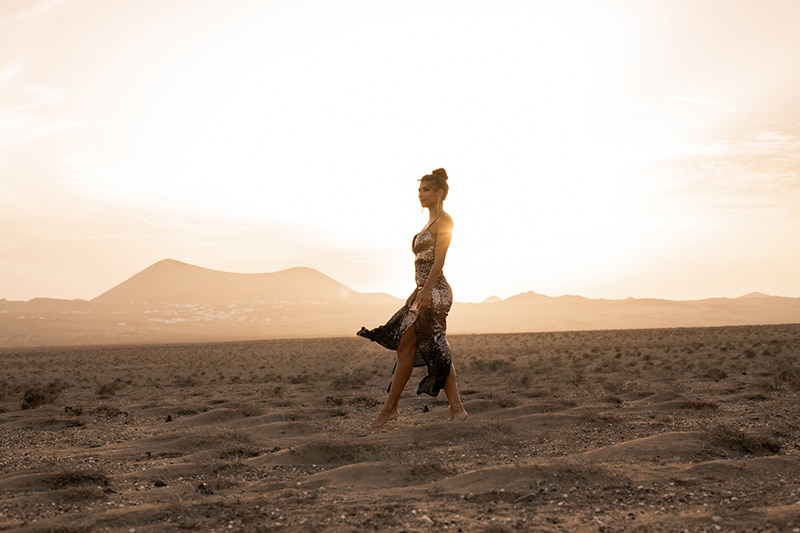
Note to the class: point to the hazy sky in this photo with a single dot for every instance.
(607, 148)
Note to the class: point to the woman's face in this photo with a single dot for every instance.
(428, 196)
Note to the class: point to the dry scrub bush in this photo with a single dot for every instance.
(504, 400)
(71, 478)
(231, 444)
(248, 408)
(344, 452)
(301, 378)
(5, 389)
(185, 381)
(364, 401)
(600, 418)
(633, 385)
(697, 405)
(788, 378)
(38, 396)
(353, 380)
(613, 385)
(727, 436)
(613, 400)
(492, 365)
(429, 471)
(111, 388)
(715, 373)
(576, 376)
(77, 486)
(491, 436)
(108, 411)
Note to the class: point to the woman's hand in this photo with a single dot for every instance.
(423, 298)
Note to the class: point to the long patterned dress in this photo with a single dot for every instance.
(433, 350)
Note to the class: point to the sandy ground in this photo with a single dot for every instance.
(633, 430)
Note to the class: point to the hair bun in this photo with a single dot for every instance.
(440, 172)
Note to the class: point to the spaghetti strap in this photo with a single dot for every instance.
(429, 224)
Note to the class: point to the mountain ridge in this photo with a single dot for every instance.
(174, 281)
(171, 301)
(328, 289)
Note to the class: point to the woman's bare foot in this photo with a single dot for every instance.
(383, 418)
(457, 412)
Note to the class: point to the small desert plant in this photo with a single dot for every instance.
(75, 411)
(758, 397)
(108, 411)
(697, 405)
(72, 478)
(110, 388)
(599, 418)
(613, 386)
(333, 452)
(500, 428)
(428, 471)
(353, 380)
(300, 378)
(185, 381)
(239, 451)
(715, 374)
(492, 365)
(248, 408)
(505, 400)
(37, 396)
(788, 378)
(613, 399)
(727, 436)
(230, 444)
(576, 377)
(364, 401)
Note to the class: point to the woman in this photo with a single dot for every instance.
(417, 330)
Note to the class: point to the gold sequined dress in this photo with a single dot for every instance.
(433, 350)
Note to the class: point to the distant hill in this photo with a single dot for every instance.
(536, 312)
(181, 283)
(172, 301)
(755, 295)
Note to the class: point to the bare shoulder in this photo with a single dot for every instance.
(444, 223)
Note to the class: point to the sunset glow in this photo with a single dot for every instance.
(606, 149)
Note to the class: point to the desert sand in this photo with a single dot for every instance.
(694, 429)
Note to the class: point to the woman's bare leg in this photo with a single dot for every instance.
(402, 372)
(457, 411)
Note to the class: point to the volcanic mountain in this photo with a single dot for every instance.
(171, 281)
